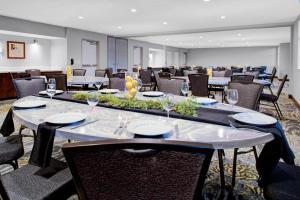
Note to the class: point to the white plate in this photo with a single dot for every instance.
(66, 118)
(254, 118)
(203, 100)
(29, 104)
(56, 92)
(109, 91)
(149, 127)
(153, 94)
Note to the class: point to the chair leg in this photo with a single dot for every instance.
(16, 164)
(279, 110)
(255, 153)
(279, 116)
(221, 167)
(234, 167)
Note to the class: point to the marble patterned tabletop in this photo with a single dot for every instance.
(82, 80)
(108, 121)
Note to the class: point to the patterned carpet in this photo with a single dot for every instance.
(246, 186)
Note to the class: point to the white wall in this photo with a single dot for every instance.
(36, 55)
(240, 56)
(295, 75)
(74, 38)
(284, 60)
(59, 54)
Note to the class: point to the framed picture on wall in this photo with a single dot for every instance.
(15, 50)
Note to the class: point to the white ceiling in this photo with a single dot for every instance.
(105, 16)
(236, 38)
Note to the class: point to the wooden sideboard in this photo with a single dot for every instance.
(7, 90)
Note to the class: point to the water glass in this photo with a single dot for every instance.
(168, 103)
(92, 99)
(98, 85)
(139, 84)
(52, 83)
(185, 88)
(232, 96)
(50, 90)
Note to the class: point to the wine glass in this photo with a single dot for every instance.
(52, 83)
(50, 90)
(185, 88)
(92, 99)
(232, 96)
(139, 84)
(98, 85)
(168, 103)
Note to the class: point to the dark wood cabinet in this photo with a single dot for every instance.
(7, 90)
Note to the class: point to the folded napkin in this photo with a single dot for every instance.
(8, 126)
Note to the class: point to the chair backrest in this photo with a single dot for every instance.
(28, 86)
(237, 70)
(109, 72)
(172, 86)
(79, 72)
(61, 81)
(172, 71)
(119, 75)
(242, 78)
(274, 71)
(218, 73)
(122, 70)
(164, 75)
(202, 70)
(33, 72)
(138, 169)
(100, 72)
(117, 83)
(187, 72)
(282, 85)
(199, 84)
(253, 73)
(145, 76)
(248, 94)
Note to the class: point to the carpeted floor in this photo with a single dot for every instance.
(246, 186)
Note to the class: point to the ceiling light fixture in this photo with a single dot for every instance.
(119, 27)
(206, 0)
(201, 37)
(223, 17)
(165, 23)
(239, 34)
(80, 17)
(133, 10)
(209, 41)
(243, 39)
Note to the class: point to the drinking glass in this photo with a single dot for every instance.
(50, 90)
(185, 88)
(52, 83)
(92, 99)
(98, 85)
(139, 84)
(168, 103)
(232, 96)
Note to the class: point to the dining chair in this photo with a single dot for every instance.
(172, 71)
(283, 183)
(199, 84)
(242, 78)
(109, 72)
(202, 70)
(119, 75)
(135, 69)
(228, 73)
(255, 74)
(172, 86)
(272, 98)
(22, 183)
(237, 70)
(79, 72)
(139, 169)
(122, 70)
(11, 149)
(100, 73)
(33, 72)
(27, 87)
(164, 75)
(188, 72)
(218, 73)
(248, 97)
(146, 79)
(117, 83)
(60, 79)
(273, 75)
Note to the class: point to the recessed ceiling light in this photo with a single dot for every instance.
(80, 17)
(206, 0)
(243, 38)
(133, 10)
(239, 34)
(165, 23)
(209, 41)
(223, 17)
(119, 27)
(167, 39)
(201, 37)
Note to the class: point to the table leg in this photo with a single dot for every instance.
(221, 167)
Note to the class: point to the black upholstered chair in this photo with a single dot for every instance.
(188, 72)
(199, 84)
(283, 184)
(252, 73)
(237, 69)
(117, 83)
(273, 75)
(119, 75)
(202, 70)
(79, 72)
(217, 73)
(164, 75)
(140, 169)
(248, 97)
(60, 79)
(272, 98)
(11, 149)
(242, 78)
(146, 79)
(24, 184)
(172, 86)
(100, 73)
(33, 72)
(109, 72)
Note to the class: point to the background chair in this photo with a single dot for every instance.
(273, 75)
(164, 75)
(242, 78)
(117, 83)
(202, 70)
(61, 81)
(147, 172)
(146, 79)
(237, 69)
(253, 73)
(172, 86)
(248, 97)
(119, 75)
(79, 72)
(218, 73)
(100, 73)
(271, 98)
(199, 84)
(188, 72)
(109, 72)
(33, 72)
(122, 70)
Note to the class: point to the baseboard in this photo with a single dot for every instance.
(297, 104)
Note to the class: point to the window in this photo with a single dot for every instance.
(90, 51)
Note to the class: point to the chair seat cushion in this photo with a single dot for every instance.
(11, 148)
(268, 97)
(284, 183)
(23, 184)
